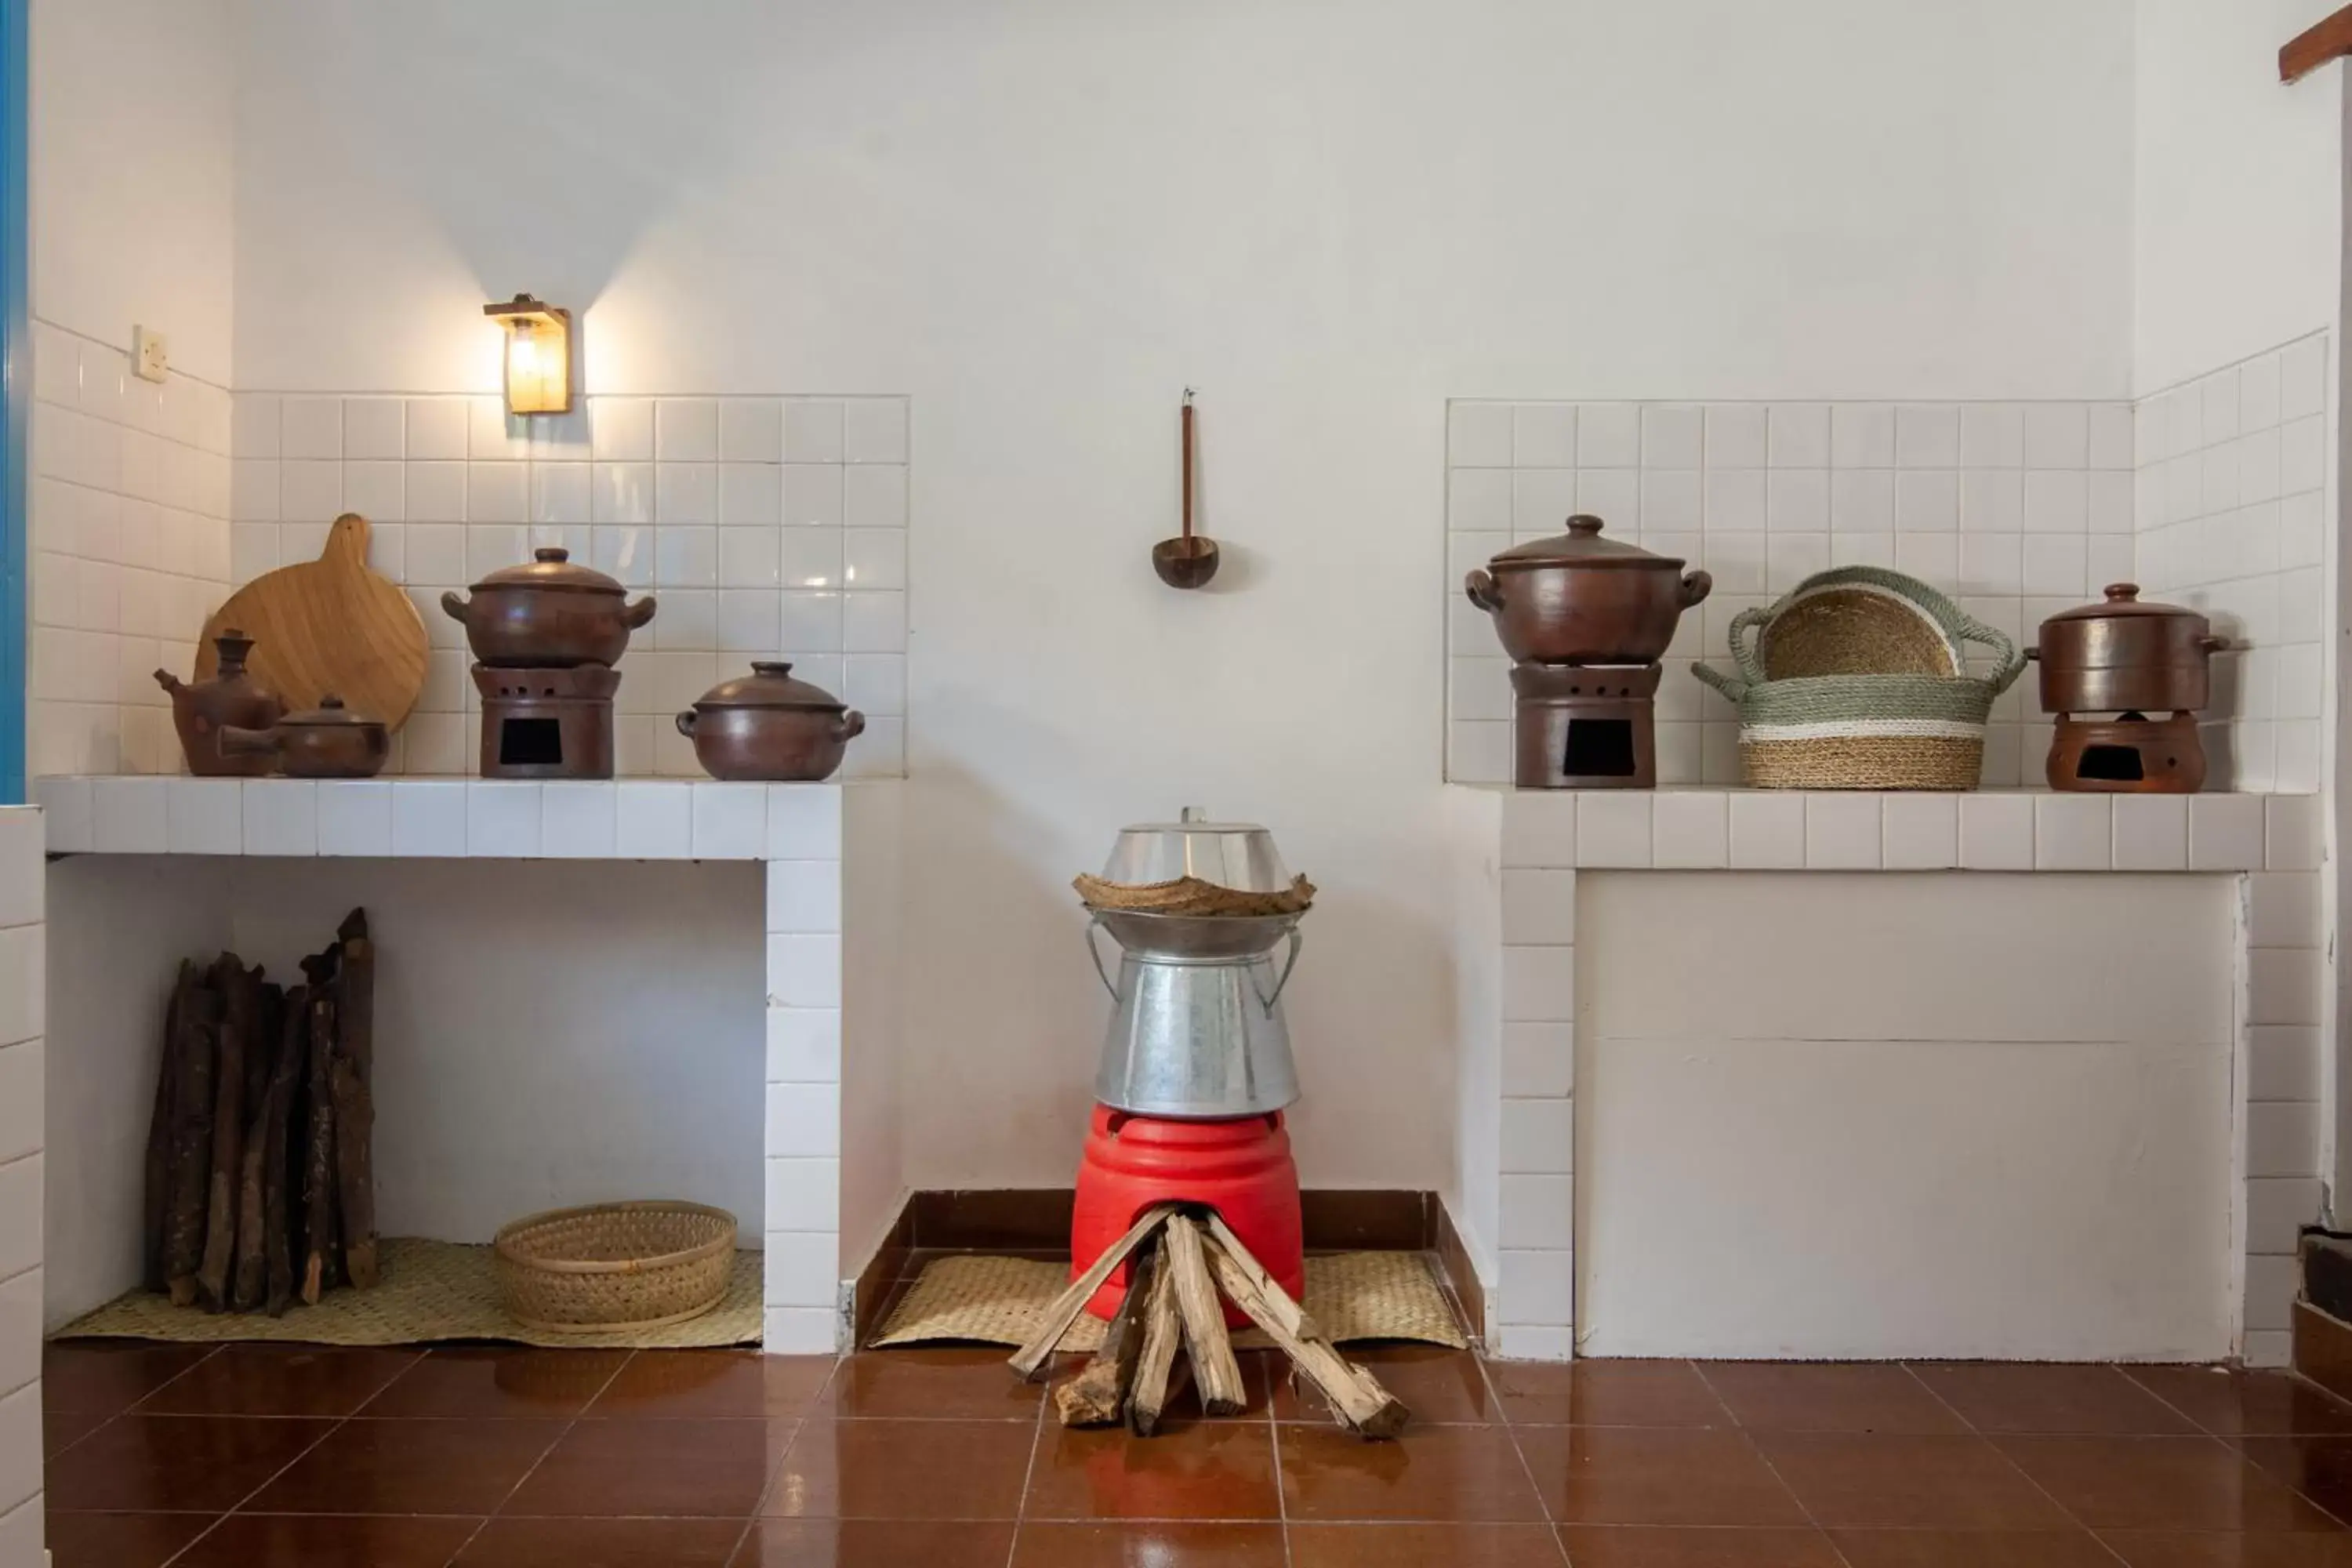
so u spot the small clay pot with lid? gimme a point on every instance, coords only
(768, 725)
(1578, 598)
(201, 709)
(329, 741)
(547, 613)
(2125, 655)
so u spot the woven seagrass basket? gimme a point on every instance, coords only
(615, 1265)
(1863, 730)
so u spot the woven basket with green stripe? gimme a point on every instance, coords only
(1863, 732)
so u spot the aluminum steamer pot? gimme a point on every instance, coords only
(549, 614)
(2124, 656)
(1578, 598)
(767, 725)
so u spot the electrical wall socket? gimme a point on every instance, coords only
(150, 357)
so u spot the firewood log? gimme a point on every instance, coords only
(319, 1231)
(1072, 1302)
(1162, 1332)
(352, 1083)
(1097, 1397)
(196, 1049)
(1210, 1350)
(278, 1155)
(240, 993)
(160, 1131)
(249, 1278)
(1355, 1393)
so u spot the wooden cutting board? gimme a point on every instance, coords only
(329, 624)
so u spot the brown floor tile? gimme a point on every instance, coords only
(713, 1382)
(964, 1384)
(2318, 1468)
(2071, 1547)
(1856, 1479)
(2160, 1483)
(2217, 1550)
(1161, 1544)
(106, 1377)
(61, 1429)
(902, 1469)
(873, 1544)
(1437, 1385)
(1646, 1546)
(1631, 1475)
(325, 1540)
(497, 1380)
(175, 1463)
(421, 1466)
(677, 1468)
(602, 1543)
(2018, 1396)
(1829, 1396)
(1424, 1546)
(1607, 1394)
(279, 1380)
(120, 1540)
(1439, 1473)
(1201, 1471)
(2229, 1402)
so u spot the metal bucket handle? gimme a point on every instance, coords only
(1095, 953)
(1269, 1001)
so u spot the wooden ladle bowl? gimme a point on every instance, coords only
(1185, 562)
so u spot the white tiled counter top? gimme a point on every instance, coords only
(1905, 830)
(627, 819)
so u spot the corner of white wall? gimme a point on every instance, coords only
(1474, 832)
(22, 1159)
(873, 1168)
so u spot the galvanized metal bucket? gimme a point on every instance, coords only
(1196, 1029)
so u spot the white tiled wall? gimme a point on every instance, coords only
(130, 550)
(766, 527)
(2015, 509)
(803, 1079)
(2232, 518)
(21, 1106)
(1549, 837)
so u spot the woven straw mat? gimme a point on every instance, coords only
(430, 1291)
(1003, 1300)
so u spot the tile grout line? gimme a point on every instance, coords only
(1526, 1471)
(1987, 1439)
(767, 1487)
(1274, 1438)
(1747, 1436)
(532, 1469)
(1029, 1471)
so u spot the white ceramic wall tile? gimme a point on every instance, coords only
(804, 1044)
(1613, 827)
(503, 819)
(1996, 503)
(1539, 908)
(1540, 827)
(2151, 832)
(1539, 985)
(1842, 832)
(800, 1331)
(1538, 1212)
(1997, 832)
(1920, 832)
(205, 817)
(2283, 1062)
(1767, 831)
(803, 1193)
(1538, 1287)
(1540, 1059)
(1689, 830)
(2074, 832)
(2226, 832)
(803, 1120)
(801, 1269)
(1538, 1137)
(354, 817)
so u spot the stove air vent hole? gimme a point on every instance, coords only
(1598, 748)
(526, 743)
(2114, 764)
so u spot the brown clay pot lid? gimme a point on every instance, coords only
(1581, 545)
(552, 567)
(2122, 601)
(330, 714)
(769, 685)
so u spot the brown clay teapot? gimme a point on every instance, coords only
(201, 709)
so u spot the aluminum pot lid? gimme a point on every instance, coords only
(769, 685)
(2122, 601)
(552, 567)
(330, 714)
(1581, 545)
(1236, 855)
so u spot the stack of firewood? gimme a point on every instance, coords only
(260, 1174)
(1171, 1301)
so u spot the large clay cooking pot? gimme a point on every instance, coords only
(2127, 655)
(549, 614)
(1578, 598)
(767, 725)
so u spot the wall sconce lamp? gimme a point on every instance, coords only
(539, 354)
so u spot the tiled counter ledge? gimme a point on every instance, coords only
(1530, 844)
(802, 832)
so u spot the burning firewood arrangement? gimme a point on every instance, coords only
(260, 1174)
(1171, 1302)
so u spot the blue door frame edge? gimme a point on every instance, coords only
(16, 399)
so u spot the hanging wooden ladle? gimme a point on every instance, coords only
(1191, 559)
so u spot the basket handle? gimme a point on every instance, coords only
(1744, 655)
(1730, 685)
(2010, 660)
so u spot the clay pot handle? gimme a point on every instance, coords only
(2212, 642)
(1480, 585)
(238, 742)
(638, 613)
(849, 726)
(1697, 585)
(685, 723)
(454, 607)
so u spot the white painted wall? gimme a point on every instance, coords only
(1807, 1125)
(22, 994)
(1040, 222)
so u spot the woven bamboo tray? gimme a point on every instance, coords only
(1860, 620)
(604, 1267)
